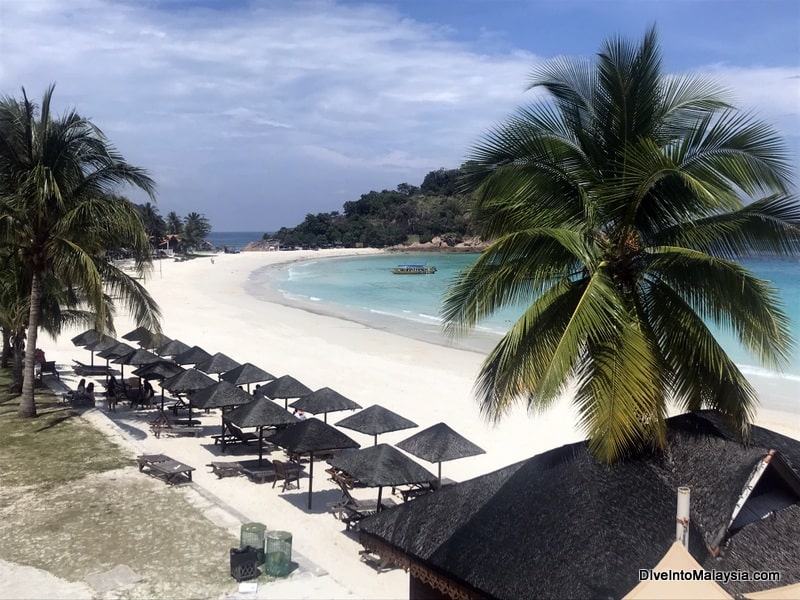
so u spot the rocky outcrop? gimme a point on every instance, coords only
(437, 244)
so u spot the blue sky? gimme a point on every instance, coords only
(256, 113)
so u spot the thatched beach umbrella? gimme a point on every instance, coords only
(138, 334)
(324, 400)
(308, 437)
(218, 363)
(284, 387)
(160, 370)
(115, 351)
(220, 395)
(260, 413)
(246, 374)
(103, 343)
(374, 420)
(172, 348)
(188, 381)
(382, 465)
(137, 357)
(87, 337)
(439, 443)
(192, 356)
(154, 341)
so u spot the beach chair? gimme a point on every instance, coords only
(90, 370)
(350, 510)
(287, 472)
(162, 424)
(48, 366)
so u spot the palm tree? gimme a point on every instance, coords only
(618, 208)
(195, 229)
(154, 224)
(174, 223)
(58, 213)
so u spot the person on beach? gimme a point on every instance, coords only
(111, 393)
(89, 394)
(255, 391)
(81, 391)
(146, 394)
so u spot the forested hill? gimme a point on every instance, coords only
(378, 219)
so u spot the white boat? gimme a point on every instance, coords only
(414, 270)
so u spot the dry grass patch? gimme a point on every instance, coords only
(71, 503)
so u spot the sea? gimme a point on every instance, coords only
(365, 290)
(234, 240)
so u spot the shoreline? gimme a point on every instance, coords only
(776, 390)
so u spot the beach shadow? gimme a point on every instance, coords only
(54, 422)
(319, 500)
(132, 431)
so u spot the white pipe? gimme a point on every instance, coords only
(682, 524)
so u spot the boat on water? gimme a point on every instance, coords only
(414, 270)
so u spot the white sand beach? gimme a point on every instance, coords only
(206, 304)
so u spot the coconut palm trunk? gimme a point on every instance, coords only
(27, 405)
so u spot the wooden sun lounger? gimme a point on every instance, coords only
(162, 424)
(350, 510)
(172, 471)
(164, 467)
(91, 370)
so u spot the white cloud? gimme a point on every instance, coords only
(290, 91)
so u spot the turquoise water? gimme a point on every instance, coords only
(365, 290)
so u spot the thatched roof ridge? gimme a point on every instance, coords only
(497, 533)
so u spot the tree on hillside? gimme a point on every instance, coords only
(619, 208)
(195, 229)
(56, 210)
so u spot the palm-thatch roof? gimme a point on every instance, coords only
(172, 348)
(154, 340)
(311, 435)
(138, 357)
(187, 381)
(439, 443)
(115, 350)
(87, 337)
(159, 370)
(104, 343)
(285, 386)
(218, 395)
(218, 363)
(561, 525)
(192, 356)
(323, 401)
(382, 465)
(261, 412)
(138, 334)
(375, 420)
(246, 373)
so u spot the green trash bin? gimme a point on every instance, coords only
(252, 534)
(278, 553)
